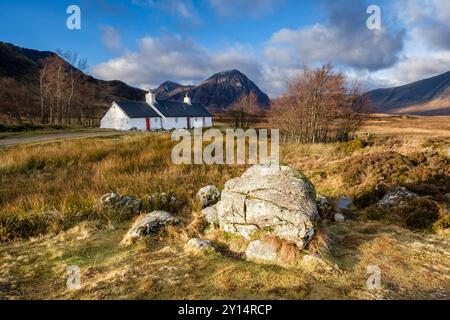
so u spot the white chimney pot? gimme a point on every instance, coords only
(150, 98)
(187, 100)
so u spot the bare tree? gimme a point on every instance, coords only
(351, 113)
(76, 66)
(316, 102)
(244, 110)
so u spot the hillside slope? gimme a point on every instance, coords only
(24, 65)
(425, 97)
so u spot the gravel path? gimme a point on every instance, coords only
(53, 136)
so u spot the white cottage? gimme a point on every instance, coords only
(156, 115)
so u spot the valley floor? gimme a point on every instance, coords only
(49, 220)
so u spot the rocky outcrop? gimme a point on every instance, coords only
(208, 196)
(149, 224)
(128, 204)
(273, 200)
(396, 197)
(261, 251)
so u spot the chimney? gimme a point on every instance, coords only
(150, 97)
(187, 100)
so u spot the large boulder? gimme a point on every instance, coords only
(149, 224)
(396, 197)
(128, 204)
(271, 199)
(208, 196)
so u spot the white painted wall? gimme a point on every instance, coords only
(208, 122)
(115, 118)
(198, 122)
(140, 124)
(174, 123)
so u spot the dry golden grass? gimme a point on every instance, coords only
(50, 220)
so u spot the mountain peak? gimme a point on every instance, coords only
(218, 92)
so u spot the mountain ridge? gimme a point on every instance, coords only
(429, 96)
(217, 93)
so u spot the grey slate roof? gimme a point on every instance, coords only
(180, 109)
(137, 109)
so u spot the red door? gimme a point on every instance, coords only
(147, 123)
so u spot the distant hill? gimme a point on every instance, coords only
(217, 93)
(425, 97)
(24, 66)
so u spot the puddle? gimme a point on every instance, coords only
(344, 203)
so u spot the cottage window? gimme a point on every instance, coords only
(176, 120)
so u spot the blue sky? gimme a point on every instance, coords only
(145, 42)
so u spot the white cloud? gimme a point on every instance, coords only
(342, 39)
(415, 68)
(428, 20)
(175, 58)
(110, 38)
(388, 57)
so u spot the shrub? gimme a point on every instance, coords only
(442, 224)
(419, 213)
(370, 196)
(374, 213)
(387, 166)
(348, 148)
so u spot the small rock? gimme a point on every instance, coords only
(261, 251)
(210, 215)
(325, 207)
(128, 204)
(339, 218)
(323, 203)
(208, 196)
(396, 197)
(200, 244)
(149, 224)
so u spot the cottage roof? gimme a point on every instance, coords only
(137, 109)
(180, 109)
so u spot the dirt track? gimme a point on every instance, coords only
(14, 140)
